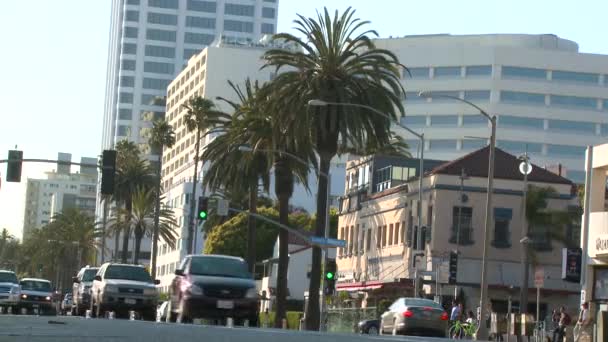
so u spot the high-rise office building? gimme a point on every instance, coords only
(151, 42)
(550, 99)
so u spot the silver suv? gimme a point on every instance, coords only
(10, 291)
(81, 290)
(122, 288)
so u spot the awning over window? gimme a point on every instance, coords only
(360, 286)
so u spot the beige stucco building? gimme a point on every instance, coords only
(378, 228)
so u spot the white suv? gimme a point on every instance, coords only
(9, 290)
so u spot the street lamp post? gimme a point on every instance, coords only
(482, 330)
(320, 174)
(525, 167)
(416, 240)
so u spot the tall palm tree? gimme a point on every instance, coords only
(162, 135)
(143, 217)
(201, 115)
(336, 61)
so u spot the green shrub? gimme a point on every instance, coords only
(293, 319)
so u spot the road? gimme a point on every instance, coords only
(71, 329)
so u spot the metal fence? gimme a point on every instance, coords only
(344, 320)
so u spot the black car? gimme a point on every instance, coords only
(213, 287)
(370, 327)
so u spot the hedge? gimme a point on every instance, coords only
(293, 319)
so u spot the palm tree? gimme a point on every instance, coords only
(143, 216)
(336, 62)
(236, 171)
(201, 115)
(132, 172)
(162, 135)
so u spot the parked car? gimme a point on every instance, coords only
(66, 304)
(161, 312)
(10, 290)
(81, 290)
(415, 316)
(369, 326)
(37, 294)
(122, 288)
(213, 287)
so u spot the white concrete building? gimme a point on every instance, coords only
(60, 190)
(150, 43)
(207, 75)
(547, 95)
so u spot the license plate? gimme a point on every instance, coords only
(130, 301)
(225, 304)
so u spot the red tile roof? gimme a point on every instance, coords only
(506, 166)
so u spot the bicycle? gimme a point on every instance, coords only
(462, 329)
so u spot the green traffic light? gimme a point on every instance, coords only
(202, 215)
(329, 275)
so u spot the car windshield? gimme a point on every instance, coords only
(220, 267)
(8, 277)
(89, 274)
(35, 285)
(127, 273)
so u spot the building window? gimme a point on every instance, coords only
(472, 144)
(125, 97)
(412, 96)
(202, 6)
(478, 70)
(575, 77)
(129, 48)
(158, 67)
(153, 100)
(390, 234)
(539, 236)
(521, 122)
(236, 9)
(267, 28)
(383, 235)
(517, 147)
(502, 232)
(447, 72)
(161, 35)
(440, 95)
(572, 126)
(173, 4)
(198, 38)
(132, 2)
(268, 12)
(523, 98)
(414, 120)
(444, 120)
(160, 51)
(124, 114)
(200, 22)
(368, 240)
(462, 226)
(238, 26)
(474, 120)
(519, 72)
(397, 234)
(420, 73)
(477, 95)
(127, 64)
(132, 16)
(442, 144)
(566, 151)
(574, 101)
(378, 237)
(127, 81)
(123, 131)
(188, 53)
(162, 18)
(130, 32)
(155, 83)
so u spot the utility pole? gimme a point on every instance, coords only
(190, 241)
(525, 168)
(462, 177)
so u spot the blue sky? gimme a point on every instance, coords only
(53, 61)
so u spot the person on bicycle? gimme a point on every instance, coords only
(456, 316)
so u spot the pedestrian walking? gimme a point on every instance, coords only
(564, 321)
(583, 323)
(456, 315)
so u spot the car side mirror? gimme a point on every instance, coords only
(98, 278)
(179, 272)
(156, 282)
(75, 280)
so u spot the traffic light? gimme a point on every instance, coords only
(203, 206)
(108, 171)
(453, 268)
(13, 167)
(330, 277)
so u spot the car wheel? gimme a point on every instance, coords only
(149, 315)
(372, 330)
(182, 314)
(253, 321)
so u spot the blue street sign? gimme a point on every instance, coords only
(327, 242)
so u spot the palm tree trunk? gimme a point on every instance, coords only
(138, 237)
(156, 215)
(281, 309)
(193, 197)
(312, 309)
(116, 245)
(251, 229)
(126, 232)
